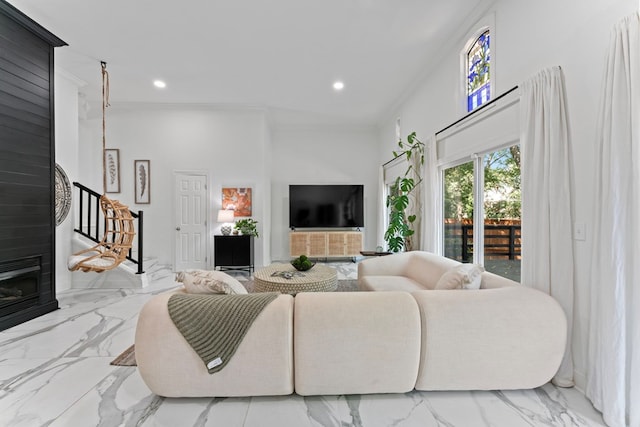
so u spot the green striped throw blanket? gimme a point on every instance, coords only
(214, 325)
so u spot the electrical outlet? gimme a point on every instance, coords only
(579, 231)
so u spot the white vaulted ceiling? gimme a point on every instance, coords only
(283, 55)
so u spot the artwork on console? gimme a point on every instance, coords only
(238, 200)
(112, 170)
(142, 175)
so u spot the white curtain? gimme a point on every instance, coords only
(431, 217)
(382, 208)
(416, 202)
(547, 217)
(613, 377)
(390, 171)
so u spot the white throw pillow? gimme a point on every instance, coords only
(465, 276)
(209, 282)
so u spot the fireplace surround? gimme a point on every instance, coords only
(27, 168)
(26, 290)
(19, 285)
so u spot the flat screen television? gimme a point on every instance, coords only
(326, 206)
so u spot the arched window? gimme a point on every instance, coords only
(479, 72)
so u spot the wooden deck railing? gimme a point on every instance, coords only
(501, 241)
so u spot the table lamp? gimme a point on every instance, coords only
(225, 216)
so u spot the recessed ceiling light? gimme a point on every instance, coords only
(159, 84)
(338, 85)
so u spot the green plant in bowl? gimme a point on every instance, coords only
(248, 227)
(302, 263)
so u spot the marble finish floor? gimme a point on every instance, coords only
(54, 371)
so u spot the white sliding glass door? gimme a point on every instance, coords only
(482, 211)
(458, 212)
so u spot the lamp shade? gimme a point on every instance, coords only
(225, 215)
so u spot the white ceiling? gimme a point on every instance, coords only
(283, 55)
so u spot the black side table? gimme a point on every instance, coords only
(233, 253)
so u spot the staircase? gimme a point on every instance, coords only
(122, 277)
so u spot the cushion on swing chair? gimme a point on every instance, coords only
(89, 259)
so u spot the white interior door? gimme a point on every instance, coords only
(191, 221)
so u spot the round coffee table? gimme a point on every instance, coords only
(286, 279)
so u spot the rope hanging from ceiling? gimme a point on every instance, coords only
(105, 104)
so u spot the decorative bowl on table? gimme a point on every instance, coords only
(302, 263)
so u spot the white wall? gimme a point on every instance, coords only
(66, 133)
(322, 155)
(237, 149)
(266, 232)
(528, 37)
(229, 145)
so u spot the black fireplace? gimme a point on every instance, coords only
(19, 285)
(25, 290)
(27, 168)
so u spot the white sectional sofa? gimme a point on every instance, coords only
(501, 336)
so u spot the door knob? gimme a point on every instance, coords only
(177, 228)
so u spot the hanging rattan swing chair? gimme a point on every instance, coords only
(119, 228)
(115, 244)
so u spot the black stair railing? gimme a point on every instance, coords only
(92, 227)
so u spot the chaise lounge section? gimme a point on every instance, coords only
(502, 335)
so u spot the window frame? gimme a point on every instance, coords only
(478, 196)
(486, 23)
(441, 169)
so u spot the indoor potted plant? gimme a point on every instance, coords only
(400, 231)
(247, 226)
(302, 263)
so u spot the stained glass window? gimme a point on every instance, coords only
(478, 67)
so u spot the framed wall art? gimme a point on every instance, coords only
(112, 170)
(63, 194)
(237, 199)
(142, 173)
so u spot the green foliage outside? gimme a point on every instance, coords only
(501, 187)
(458, 192)
(502, 184)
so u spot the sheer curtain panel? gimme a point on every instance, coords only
(613, 377)
(382, 208)
(431, 218)
(547, 215)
